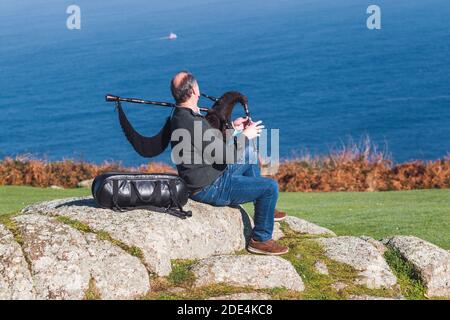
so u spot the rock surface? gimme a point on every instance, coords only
(366, 297)
(248, 270)
(85, 183)
(243, 296)
(306, 227)
(431, 263)
(277, 232)
(377, 244)
(176, 290)
(161, 237)
(373, 270)
(15, 278)
(321, 267)
(64, 260)
(338, 286)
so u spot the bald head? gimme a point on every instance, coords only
(184, 87)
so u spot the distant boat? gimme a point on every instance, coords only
(172, 36)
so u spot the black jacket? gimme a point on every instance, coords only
(204, 170)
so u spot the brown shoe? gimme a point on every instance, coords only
(269, 247)
(280, 215)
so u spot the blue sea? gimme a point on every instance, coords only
(309, 67)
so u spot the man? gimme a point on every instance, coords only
(219, 183)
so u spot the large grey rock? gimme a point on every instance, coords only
(244, 296)
(161, 237)
(306, 227)
(374, 272)
(15, 278)
(64, 260)
(248, 270)
(431, 263)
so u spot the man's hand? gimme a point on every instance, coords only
(239, 123)
(253, 130)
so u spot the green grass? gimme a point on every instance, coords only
(422, 213)
(407, 278)
(14, 198)
(92, 293)
(181, 274)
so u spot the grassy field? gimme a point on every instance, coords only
(13, 198)
(423, 213)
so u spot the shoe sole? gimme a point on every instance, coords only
(266, 253)
(280, 219)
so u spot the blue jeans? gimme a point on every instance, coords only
(241, 183)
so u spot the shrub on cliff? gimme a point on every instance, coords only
(354, 167)
(66, 173)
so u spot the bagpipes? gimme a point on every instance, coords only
(219, 116)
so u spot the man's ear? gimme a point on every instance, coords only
(195, 92)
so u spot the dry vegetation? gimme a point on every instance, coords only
(354, 167)
(67, 173)
(361, 167)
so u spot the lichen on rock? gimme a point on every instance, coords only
(64, 260)
(360, 254)
(15, 278)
